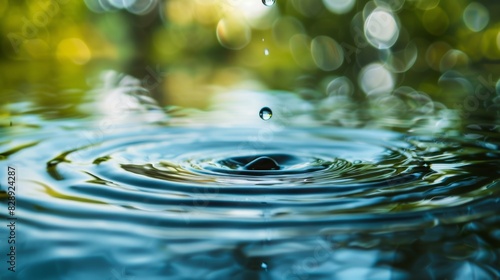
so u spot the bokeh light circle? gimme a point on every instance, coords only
(381, 29)
(233, 33)
(476, 16)
(339, 6)
(393, 5)
(376, 79)
(340, 87)
(327, 54)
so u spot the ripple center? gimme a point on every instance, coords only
(262, 163)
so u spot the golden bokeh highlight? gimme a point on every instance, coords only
(218, 44)
(37, 48)
(180, 12)
(436, 21)
(74, 50)
(207, 12)
(233, 33)
(489, 43)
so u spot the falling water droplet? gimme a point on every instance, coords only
(266, 113)
(264, 266)
(266, 52)
(268, 2)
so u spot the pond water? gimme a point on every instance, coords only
(150, 194)
(229, 139)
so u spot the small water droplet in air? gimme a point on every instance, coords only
(266, 52)
(268, 2)
(265, 113)
(264, 266)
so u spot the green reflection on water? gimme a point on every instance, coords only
(174, 49)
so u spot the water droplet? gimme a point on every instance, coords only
(266, 52)
(268, 2)
(265, 113)
(264, 266)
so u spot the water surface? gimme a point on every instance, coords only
(171, 199)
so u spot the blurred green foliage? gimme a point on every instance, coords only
(185, 50)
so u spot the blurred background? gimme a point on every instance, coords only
(122, 193)
(394, 55)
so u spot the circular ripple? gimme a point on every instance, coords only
(328, 159)
(321, 177)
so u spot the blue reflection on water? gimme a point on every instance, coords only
(156, 200)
